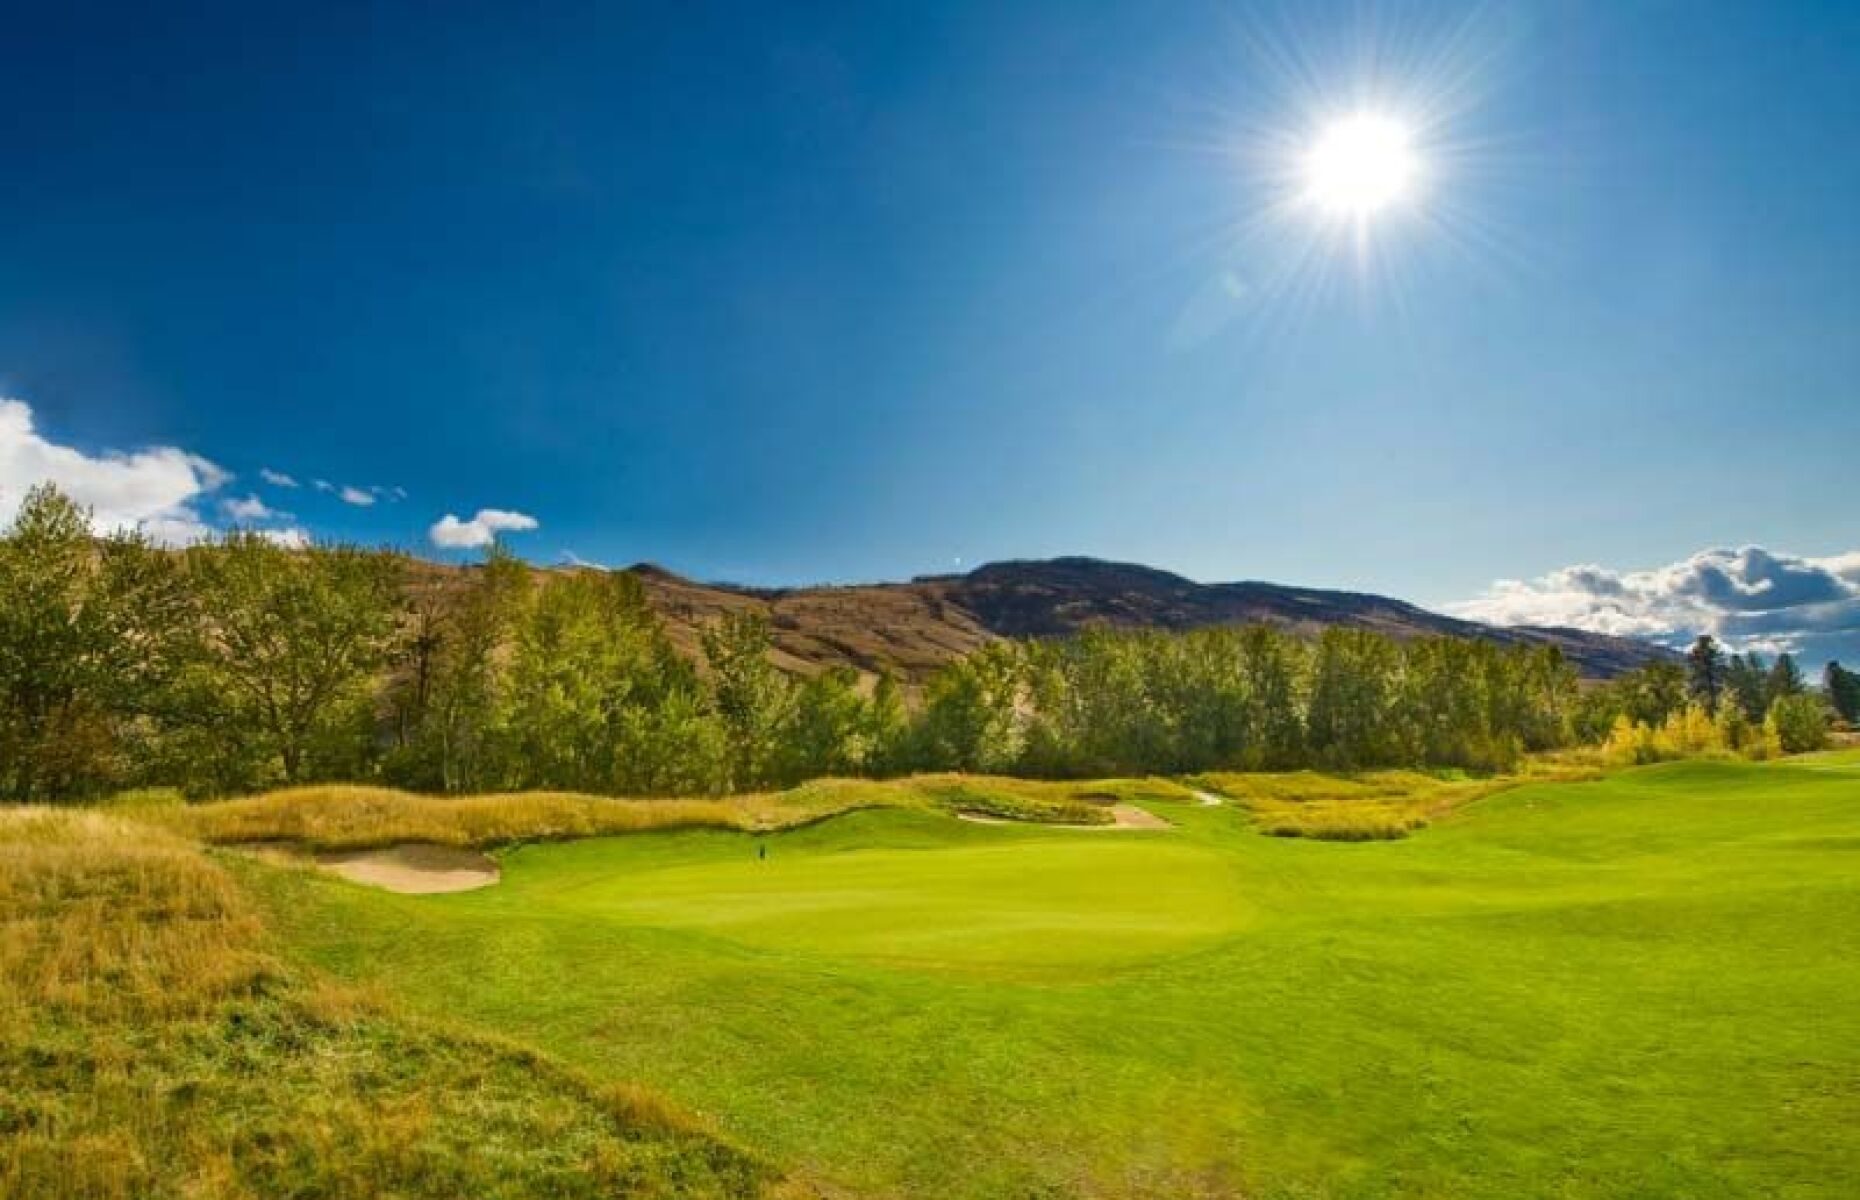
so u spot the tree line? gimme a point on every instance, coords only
(241, 664)
(1724, 702)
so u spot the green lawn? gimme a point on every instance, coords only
(1645, 986)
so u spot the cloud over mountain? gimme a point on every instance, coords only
(1750, 597)
(450, 533)
(154, 490)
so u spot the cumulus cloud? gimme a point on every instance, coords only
(360, 497)
(1750, 598)
(276, 478)
(450, 533)
(248, 509)
(155, 490)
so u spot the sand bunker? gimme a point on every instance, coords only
(1123, 816)
(1129, 816)
(415, 868)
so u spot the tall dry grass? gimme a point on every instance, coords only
(152, 1047)
(103, 919)
(335, 817)
(341, 817)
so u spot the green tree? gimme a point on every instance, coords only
(754, 700)
(446, 688)
(831, 731)
(1843, 689)
(1784, 679)
(1705, 672)
(597, 700)
(1273, 671)
(1799, 722)
(1746, 681)
(92, 632)
(969, 720)
(890, 727)
(293, 644)
(1347, 722)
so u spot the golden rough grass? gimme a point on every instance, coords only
(1370, 805)
(337, 817)
(152, 1047)
(100, 916)
(343, 817)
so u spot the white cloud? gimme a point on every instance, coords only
(276, 478)
(450, 533)
(154, 490)
(359, 497)
(250, 508)
(1750, 598)
(322, 485)
(291, 539)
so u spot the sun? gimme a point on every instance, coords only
(1360, 165)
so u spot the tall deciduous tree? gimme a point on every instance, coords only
(597, 697)
(453, 672)
(754, 700)
(91, 633)
(293, 644)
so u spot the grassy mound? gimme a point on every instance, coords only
(150, 1046)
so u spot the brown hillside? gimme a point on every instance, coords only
(912, 628)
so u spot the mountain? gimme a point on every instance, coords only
(912, 628)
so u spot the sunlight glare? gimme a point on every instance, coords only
(1360, 165)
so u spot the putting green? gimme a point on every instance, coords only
(1002, 901)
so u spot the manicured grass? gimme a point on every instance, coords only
(1641, 986)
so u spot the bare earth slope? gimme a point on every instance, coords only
(912, 628)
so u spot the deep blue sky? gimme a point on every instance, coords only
(795, 293)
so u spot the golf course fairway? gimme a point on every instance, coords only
(1645, 986)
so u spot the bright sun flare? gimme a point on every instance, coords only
(1360, 165)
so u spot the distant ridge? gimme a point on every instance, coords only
(911, 628)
